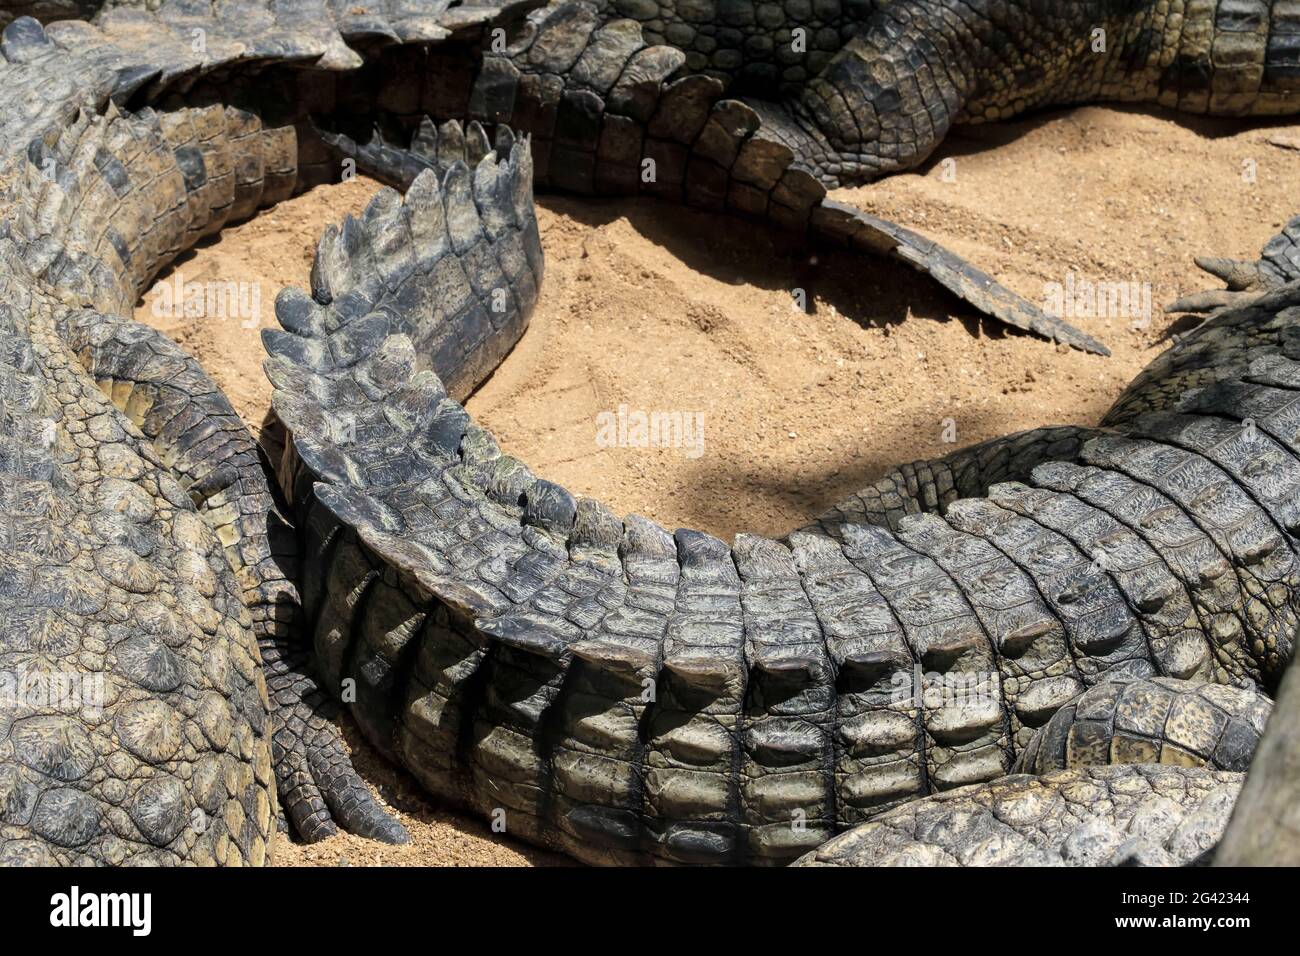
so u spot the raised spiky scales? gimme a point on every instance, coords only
(1097, 604)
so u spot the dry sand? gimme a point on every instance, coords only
(664, 309)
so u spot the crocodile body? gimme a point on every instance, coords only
(599, 684)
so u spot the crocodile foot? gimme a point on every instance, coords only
(1245, 279)
(318, 788)
(192, 425)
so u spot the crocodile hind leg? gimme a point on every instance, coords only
(1127, 814)
(1141, 772)
(1131, 772)
(209, 450)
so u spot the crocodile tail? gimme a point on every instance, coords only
(604, 686)
(609, 114)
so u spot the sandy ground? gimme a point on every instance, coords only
(662, 309)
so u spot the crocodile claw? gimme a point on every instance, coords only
(1239, 274)
(1203, 303)
(1244, 279)
(318, 787)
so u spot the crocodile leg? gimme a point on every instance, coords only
(1161, 721)
(209, 450)
(1229, 348)
(1139, 772)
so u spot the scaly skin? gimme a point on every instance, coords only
(1134, 815)
(891, 93)
(609, 115)
(510, 629)
(1264, 830)
(140, 527)
(47, 10)
(114, 583)
(613, 690)
(1146, 722)
(874, 87)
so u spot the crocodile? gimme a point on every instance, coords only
(1089, 620)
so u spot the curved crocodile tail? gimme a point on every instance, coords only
(484, 201)
(623, 693)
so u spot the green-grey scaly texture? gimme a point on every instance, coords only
(1094, 606)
